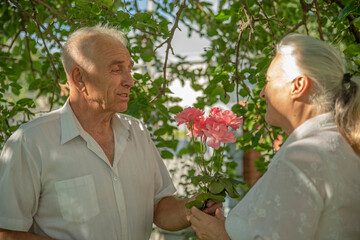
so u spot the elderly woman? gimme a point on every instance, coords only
(312, 187)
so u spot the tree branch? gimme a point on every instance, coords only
(249, 17)
(27, 44)
(142, 30)
(136, 6)
(37, 22)
(168, 41)
(57, 76)
(237, 75)
(13, 41)
(199, 5)
(185, 23)
(54, 11)
(350, 17)
(319, 19)
(268, 22)
(244, 25)
(305, 8)
(147, 32)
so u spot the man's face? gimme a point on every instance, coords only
(277, 94)
(108, 79)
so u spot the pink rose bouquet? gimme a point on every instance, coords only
(214, 131)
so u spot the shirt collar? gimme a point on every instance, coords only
(321, 121)
(68, 120)
(121, 127)
(71, 127)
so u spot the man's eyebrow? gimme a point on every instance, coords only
(115, 62)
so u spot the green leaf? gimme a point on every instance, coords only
(225, 98)
(353, 50)
(230, 87)
(175, 109)
(183, 151)
(137, 76)
(222, 16)
(108, 3)
(195, 203)
(160, 132)
(355, 20)
(142, 17)
(25, 102)
(166, 154)
(217, 91)
(347, 10)
(264, 64)
(197, 87)
(203, 179)
(216, 187)
(209, 196)
(229, 188)
(122, 16)
(243, 92)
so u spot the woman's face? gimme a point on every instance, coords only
(277, 94)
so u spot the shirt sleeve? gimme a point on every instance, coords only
(163, 183)
(19, 184)
(284, 204)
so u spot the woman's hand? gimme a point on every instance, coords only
(208, 227)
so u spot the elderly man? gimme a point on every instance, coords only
(84, 171)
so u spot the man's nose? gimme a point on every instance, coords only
(128, 81)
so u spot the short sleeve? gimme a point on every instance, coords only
(284, 204)
(163, 183)
(19, 184)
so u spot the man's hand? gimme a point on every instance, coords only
(171, 214)
(16, 235)
(208, 227)
(211, 207)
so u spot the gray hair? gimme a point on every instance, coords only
(70, 50)
(325, 67)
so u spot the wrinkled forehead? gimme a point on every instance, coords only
(104, 42)
(89, 49)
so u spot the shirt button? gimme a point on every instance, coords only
(116, 179)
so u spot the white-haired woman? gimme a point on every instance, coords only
(312, 187)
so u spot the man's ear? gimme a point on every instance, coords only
(77, 77)
(300, 87)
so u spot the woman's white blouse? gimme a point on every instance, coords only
(310, 191)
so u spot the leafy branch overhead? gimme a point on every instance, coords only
(242, 35)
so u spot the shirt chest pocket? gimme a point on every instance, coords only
(77, 198)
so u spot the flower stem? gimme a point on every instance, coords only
(193, 138)
(202, 155)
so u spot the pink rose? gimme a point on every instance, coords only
(219, 133)
(214, 111)
(198, 125)
(188, 114)
(228, 118)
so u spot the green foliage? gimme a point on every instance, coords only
(242, 35)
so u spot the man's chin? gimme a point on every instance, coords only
(122, 108)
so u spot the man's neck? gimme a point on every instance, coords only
(97, 123)
(92, 119)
